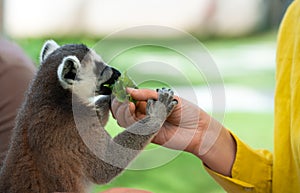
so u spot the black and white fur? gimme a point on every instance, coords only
(59, 143)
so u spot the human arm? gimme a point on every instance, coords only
(188, 128)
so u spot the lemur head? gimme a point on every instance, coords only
(80, 71)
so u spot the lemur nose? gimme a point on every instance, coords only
(116, 74)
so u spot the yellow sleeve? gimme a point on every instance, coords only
(251, 172)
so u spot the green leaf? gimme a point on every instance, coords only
(119, 88)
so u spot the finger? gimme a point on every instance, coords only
(115, 104)
(142, 94)
(132, 108)
(129, 115)
(141, 107)
(120, 115)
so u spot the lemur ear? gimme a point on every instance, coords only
(67, 71)
(48, 47)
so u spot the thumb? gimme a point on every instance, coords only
(142, 94)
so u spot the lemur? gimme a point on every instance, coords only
(59, 143)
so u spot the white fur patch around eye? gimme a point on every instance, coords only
(67, 83)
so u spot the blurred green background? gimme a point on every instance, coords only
(245, 63)
(239, 36)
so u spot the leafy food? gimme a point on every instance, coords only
(119, 88)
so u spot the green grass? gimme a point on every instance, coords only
(256, 129)
(180, 63)
(221, 43)
(32, 46)
(178, 69)
(185, 173)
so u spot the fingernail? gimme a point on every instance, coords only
(130, 90)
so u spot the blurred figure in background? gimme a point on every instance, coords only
(16, 72)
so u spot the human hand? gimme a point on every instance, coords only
(188, 128)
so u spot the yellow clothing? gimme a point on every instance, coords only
(259, 171)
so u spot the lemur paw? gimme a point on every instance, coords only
(163, 106)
